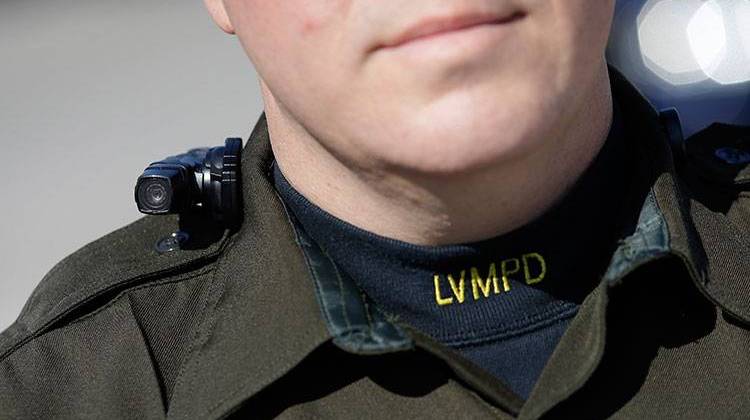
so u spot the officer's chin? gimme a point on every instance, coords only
(454, 150)
(467, 157)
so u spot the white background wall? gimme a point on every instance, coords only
(91, 91)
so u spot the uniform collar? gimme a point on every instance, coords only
(675, 221)
(262, 316)
(275, 297)
(671, 224)
(654, 236)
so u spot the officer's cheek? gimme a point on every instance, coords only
(315, 15)
(306, 16)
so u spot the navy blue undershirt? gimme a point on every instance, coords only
(503, 303)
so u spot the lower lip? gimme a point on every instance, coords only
(464, 41)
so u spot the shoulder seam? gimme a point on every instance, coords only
(27, 335)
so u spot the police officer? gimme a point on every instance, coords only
(449, 210)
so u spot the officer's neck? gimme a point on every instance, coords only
(445, 210)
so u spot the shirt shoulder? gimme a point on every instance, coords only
(721, 154)
(145, 251)
(717, 161)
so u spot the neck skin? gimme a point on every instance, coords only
(434, 210)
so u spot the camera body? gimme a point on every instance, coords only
(203, 181)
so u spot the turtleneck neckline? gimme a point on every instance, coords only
(474, 295)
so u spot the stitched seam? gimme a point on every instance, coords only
(509, 334)
(514, 327)
(196, 344)
(318, 292)
(162, 398)
(199, 261)
(114, 300)
(136, 288)
(316, 283)
(287, 366)
(341, 290)
(478, 398)
(600, 343)
(84, 253)
(660, 214)
(368, 314)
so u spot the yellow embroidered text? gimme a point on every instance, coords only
(450, 290)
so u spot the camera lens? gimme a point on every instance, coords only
(154, 195)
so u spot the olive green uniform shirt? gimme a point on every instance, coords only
(258, 323)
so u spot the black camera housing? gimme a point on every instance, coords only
(202, 181)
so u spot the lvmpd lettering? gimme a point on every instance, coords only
(451, 290)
